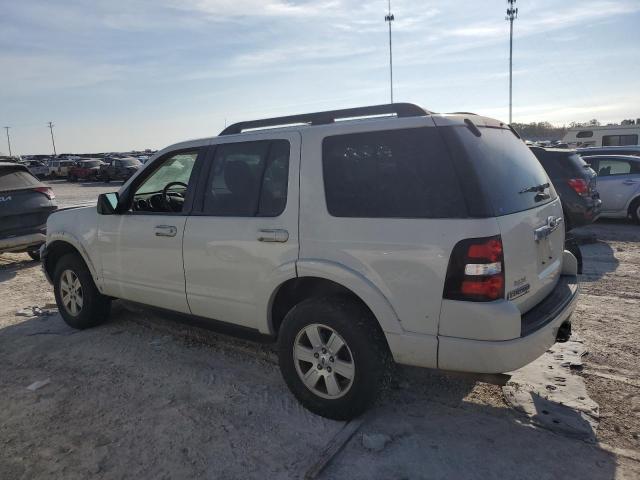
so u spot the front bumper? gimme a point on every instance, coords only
(539, 330)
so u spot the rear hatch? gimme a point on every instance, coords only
(502, 178)
(25, 203)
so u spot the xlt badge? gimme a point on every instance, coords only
(518, 292)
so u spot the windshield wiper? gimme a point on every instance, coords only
(536, 188)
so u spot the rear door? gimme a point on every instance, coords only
(25, 203)
(524, 202)
(242, 239)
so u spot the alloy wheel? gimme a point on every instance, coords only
(71, 292)
(323, 361)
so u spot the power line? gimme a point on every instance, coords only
(390, 18)
(51, 125)
(8, 140)
(512, 14)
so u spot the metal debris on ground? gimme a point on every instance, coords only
(35, 311)
(39, 384)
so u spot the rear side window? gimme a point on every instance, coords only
(613, 167)
(391, 174)
(248, 179)
(14, 179)
(502, 165)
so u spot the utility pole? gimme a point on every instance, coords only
(512, 14)
(51, 125)
(390, 18)
(8, 140)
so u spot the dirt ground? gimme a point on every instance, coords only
(151, 396)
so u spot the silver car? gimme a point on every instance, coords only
(618, 184)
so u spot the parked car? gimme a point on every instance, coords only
(25, 204)
(119, 169)
(59, 168)
(618, 184)
(85, 169)
(37, 169)
(627, 150)
(574, 181)
(352, 242)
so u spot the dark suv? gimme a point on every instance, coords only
(25, 205)
(574, 181)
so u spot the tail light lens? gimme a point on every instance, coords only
(46, 191)
(579, 185)
(476, 270)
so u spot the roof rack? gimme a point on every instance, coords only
(323, 118)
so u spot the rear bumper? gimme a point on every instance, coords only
(21, 243)
(539, 331)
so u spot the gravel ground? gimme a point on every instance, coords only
(147, 396)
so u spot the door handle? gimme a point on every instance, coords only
(273, 235)
(166, 231)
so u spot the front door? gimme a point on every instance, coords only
(243, 235)
(141, 248)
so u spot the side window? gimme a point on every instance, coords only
(248, 179)
(616, 140)
(391, 174)
(165, 189)
(613, 167)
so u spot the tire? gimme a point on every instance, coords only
(73, 178)
(634, 210)
(106, 179)
(94, 308)
(364, 355)
(35, 254)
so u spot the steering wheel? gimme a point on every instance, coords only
(165, 194)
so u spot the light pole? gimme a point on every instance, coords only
(8, 140)
(390, 18)
(51, 125)
(512, 14)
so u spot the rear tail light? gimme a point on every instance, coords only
(46, 191)
(476, 270)
(579, 185)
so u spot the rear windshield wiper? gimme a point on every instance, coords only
(536, 188)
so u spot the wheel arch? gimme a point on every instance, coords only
(319, 278)
(63, 244)
(635, 199)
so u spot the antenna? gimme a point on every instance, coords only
(51, 125)
(512, 14)
(8, 140)
(390, 18)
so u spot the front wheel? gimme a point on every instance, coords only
(332, 356)
(79, 301)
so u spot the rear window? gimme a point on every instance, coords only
(403, 173)
(14, 179)
(562, 164)
(501, 165)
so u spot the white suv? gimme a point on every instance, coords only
(354, 237)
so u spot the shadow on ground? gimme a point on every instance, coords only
(143, 397)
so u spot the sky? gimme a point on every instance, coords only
(115, 75)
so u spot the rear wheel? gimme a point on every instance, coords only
(34, 253)
(79, 301)
(332, 356)
(73, 178)
(635, 210)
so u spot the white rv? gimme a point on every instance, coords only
(607, 136)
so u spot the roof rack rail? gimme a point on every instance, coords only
(323, 118)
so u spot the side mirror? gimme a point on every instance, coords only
(108, 203)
